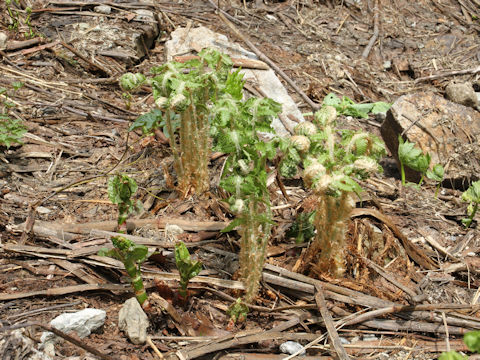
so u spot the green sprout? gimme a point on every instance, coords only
(348, 107)
(130, 83)
(14, 16)
(471, 339)
(11, 130)
(471, 195)
(238, 311)
(236, 126)
(30, 33)
(303, 229)
(15, 20)
(187, 267)
(132, 256)
(120, 190)
(203, 99)
(436, 174)
(413, 158)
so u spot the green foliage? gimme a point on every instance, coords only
(11, 131)
(333, 161)
(238, 311)
(185, 95)
(471, 195)
(15, 19)
(187, 267)
(132, 256)
(303, 229)
(452, 355)
(13, 14)
(342, 159)
(120, 190)
(131, 82)
(471, 339)
(436, 174)
(203, 99)
(413, 158)
(235, 129)
(346, 106)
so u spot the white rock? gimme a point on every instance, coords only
(133, 321)
(173, 230)
(81, 322)
(292, 347)
(143, 14)
(43, 210)
(3, 40)
(462, 93)
(103, 9)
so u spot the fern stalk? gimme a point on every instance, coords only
(327, 252)
(253, 243)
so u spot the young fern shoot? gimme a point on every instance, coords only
(120, 190)
(235, 127)
(185, 93)
(471, 195)
(413, 158)
(332, 159)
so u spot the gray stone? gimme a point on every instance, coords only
(144, 15)
(103, 9)
(462, 93)
(448, 131)
(133, 321)
(81, 322)
(292, 347)
(3, 40)
(103, 38)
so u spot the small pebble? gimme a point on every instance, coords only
(3, 40)
(291, 347)
(103, 9)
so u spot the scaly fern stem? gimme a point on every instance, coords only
(254, 238)
(177, 163)
(327, 251)
(194, 153)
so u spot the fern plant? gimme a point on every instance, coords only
(236, 128)
(120, 190)
(203, 99)
(185, 93)
(331, 159)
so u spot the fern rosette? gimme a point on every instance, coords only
(332, 160)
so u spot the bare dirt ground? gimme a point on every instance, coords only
(409, 255)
